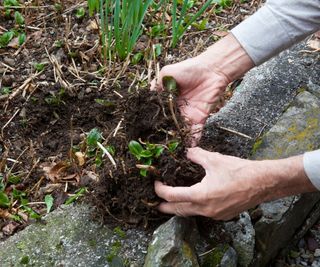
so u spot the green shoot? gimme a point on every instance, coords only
(5, 90)
(49, 202)
(172, 145)
(179, 24)
(19, 19)
(5, 38)
(55, 98)
(39, 66)
(80, 13)
(78, 194)
(21, 38)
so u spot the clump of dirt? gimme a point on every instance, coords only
(123, 192)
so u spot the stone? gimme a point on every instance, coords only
(297, 130)
(317, 253)
(313, 88)
(10, 61)
(243, 238)
(173, 244)
(69, 237)
(230, 258)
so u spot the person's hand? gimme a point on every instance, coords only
(200, 89)
(232, 185)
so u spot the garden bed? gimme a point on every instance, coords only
(59, 101)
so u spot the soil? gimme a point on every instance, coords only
(48, 115)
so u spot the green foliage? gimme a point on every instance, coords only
(172, 145)
(145, 154)
(179, 22)
(121, 24)
(39, 66)
(79, 193)
(21, 38)
(55, 98)
(93, 138)
(5, 38)
(136, 58)
(5, 90)
(49, 202)
(11, 3)
(80, 13)
(19, 19)
(4, 200)
(170, 84)
(25, 260)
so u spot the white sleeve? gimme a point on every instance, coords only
(311, 162)
(276, 26)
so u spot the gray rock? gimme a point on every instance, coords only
(69, 237)
(298, 130)
(230, 258)
(243, 238)
(173, 244)
(314, 88)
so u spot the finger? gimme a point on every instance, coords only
(196, 132)
(199, 156)
(176, 194)
(180, 208)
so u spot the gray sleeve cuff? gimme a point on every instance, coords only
(311, 163)
(276, 26)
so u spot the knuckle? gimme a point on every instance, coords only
(179, 210)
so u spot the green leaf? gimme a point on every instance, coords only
(157, 30)
(11, 3)
(6, 38)
(39, 66)
(104, 102)
(119, 232)
(17, 194)
(18, 18)
(157, 49)
(25, 260)
(137, 58)
(72, 199)
(14, 179)
(135, 149)
(93, 137)
(80, 13)
(146, 154)
(4, 200)
(49, 202)
(144, 172)
(111, 150)
(169, 83)
(158, 151)
(22, 38)
(173, 145)
(93, 6)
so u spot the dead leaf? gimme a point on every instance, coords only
(92, 26)
(55, 172)
(80, 156)
(4, 214)
(14, 43)
(10, 228)
(220, 33)
(49, 188)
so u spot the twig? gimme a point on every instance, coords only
(173, 114)
(234, 132)
(7, 66)
(117, 128)
(206, 253)
(8, 122)
(107, 153)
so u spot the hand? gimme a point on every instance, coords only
(200, 89)
(232, 185)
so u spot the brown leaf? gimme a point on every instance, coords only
(80, 157)
(55, 172)
(14, 43)
(220, 33)
(49, 188)
(10, 228)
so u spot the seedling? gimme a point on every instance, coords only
(5, 90)
(5, 38)
(19, 19)
(55, 98)
(80, 13)
(145, 155)
(170, 84)
(49, 202)
(39, 66)
(78, 194)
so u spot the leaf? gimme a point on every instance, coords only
(22, 38)
(49, 202)
(14, 179)
(6, 38)
(144, 172)
(158, 151)
(80, 13)
(137, 58)
(54, 173)
(18, 18)
(104, 102)
(38, 66)
(11, 3)
(4, 200)
(173, 146)
(135, 149)
(93, 137)
(146, 154)
(93, 6)
(169, 83)
(76, 196)
(157, 49)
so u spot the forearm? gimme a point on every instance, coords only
(284, 177)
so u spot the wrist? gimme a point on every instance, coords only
(227, 58)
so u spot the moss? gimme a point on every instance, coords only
(312, 125)
(187, 251)
(214, 258)
(301, 90)
(256, 145)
